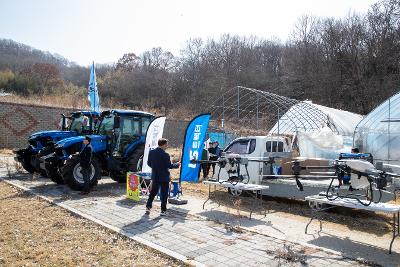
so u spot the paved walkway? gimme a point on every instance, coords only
(188, 237)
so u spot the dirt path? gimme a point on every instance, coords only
(34, 232)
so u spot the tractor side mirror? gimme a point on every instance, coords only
(63, 122)
(117, 122)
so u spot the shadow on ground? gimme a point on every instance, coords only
(350, 248)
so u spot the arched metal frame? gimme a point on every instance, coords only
(242, 107)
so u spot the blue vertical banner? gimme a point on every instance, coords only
(93, 93)
(195, 136)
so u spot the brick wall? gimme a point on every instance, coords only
(18, 121)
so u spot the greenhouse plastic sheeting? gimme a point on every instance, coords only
(299, 116)
(324, 144)
(379, 132)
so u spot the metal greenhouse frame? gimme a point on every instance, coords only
(248, 110)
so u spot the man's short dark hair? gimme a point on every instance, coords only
(88, 138)
(162, 141)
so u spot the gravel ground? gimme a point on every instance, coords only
(36, 233)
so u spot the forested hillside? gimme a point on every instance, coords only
(350, 63)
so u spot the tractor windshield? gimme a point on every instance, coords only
(80, 124)
(106, 126)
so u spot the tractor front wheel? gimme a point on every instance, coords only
(24, 156)
(53, 174)
(26, 164)
(72, 175)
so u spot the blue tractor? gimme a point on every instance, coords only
(42, 143)
(118, 147)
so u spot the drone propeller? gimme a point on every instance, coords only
(386, 159)
(302, 159)
(360, 165)
(304, 176)
(393, 174)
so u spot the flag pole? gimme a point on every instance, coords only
(94, 96)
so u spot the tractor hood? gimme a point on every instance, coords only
(73, 145)
(55, 135)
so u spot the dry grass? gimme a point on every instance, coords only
(78, 100)
(36, 233)
(61, 101)
(6, 152)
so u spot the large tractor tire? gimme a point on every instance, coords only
(24, 157)
(26, 164)
(136, 159)
(133, 165)
(53, 174)
(71, 173)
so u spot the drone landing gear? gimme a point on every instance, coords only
(366, 199)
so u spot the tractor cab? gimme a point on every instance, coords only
(81, 122)
(125, 129)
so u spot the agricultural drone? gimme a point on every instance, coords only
(342, 169)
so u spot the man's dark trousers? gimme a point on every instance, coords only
(86, 178)
(85, 158)
(164, 194)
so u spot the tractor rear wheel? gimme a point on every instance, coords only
(135, 161)
(133, 165)
(71, 173)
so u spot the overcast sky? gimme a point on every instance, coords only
(100, 30)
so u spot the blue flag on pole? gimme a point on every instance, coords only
(195, 136)
(93, 93)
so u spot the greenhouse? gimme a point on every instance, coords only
(320, 131)
(265, 112)
(379, 132)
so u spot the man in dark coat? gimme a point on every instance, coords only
(85, 157)
(160, 163)
(215, 153)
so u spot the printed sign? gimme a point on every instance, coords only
(133, 186)
(194, 142)
(154, 132)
